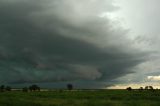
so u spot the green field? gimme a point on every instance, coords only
(81, 98)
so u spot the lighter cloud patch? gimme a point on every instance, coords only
(135, 85)
(154, 78)
(86, 72)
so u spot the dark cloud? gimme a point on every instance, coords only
(60, 41)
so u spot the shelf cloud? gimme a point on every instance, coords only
(54, 41)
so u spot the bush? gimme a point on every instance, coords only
(34, 88)
(2, 88)
(25, 89)
(8, 88)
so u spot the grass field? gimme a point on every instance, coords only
(81, 98)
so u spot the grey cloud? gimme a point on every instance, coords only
(58, 40)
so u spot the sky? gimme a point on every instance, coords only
(88, 43)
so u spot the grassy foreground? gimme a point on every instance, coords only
(81, 98)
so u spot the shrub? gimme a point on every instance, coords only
(2, 88)
(8, 88)
(34, 88)
(25, 89)
(69, 86)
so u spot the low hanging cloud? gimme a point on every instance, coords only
(58, 40)
(153, 78)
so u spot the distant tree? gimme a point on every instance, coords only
(34, 88)
(69, 86)
(129, 88)
(8, 88)
(25, 89)
(149, 88)
(2, 88)
(146, 87)
(30, 88)
(38, 88)
(141, 88)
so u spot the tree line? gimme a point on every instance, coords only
(5, 88)
(141, 88)
(31, 88)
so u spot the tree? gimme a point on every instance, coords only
(129, 88)
(69, 86)
(146, 87)
(141, 88)
(2, 88)
(34, 88)
(8, 88)
(149, 88)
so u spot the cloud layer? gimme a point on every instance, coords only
(58, 40)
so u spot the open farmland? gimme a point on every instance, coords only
(81, 98)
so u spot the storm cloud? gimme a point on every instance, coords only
(44, 41)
